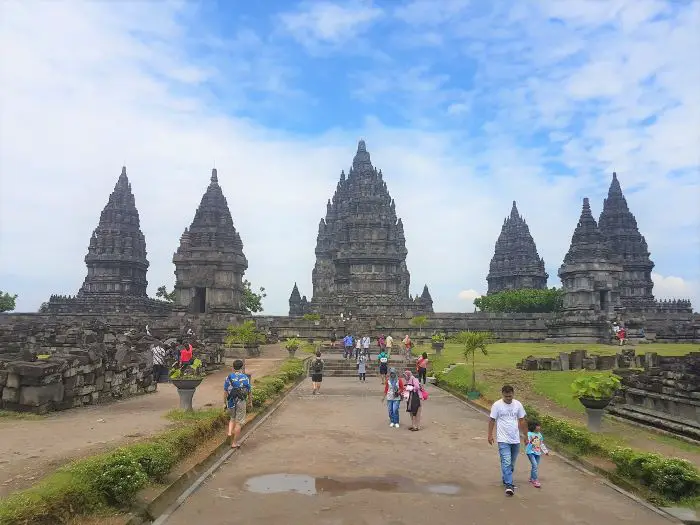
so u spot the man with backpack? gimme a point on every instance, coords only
(237, 396)
(316, 370)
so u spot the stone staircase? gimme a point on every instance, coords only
(339, 367)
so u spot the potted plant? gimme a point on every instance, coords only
(186, 379)
(594, 392)
(438, 342)
(247, 335)
(471, 342)
(292, 345)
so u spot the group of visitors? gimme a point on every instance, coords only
(362, 345)
(406, 388)
(181, 355)
(619, 332)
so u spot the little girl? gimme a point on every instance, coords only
(362, 367)
(534, 450)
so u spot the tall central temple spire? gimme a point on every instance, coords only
(361, 250)
(515, 264)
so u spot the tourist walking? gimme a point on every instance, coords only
(186, 355)
(362, 367)
(413, 399)
(393, 391)
(347, 346)
(383, 359)
(407, 345)
(365, 346)
(237, 396)
(508, 418)
(358, 346)
(316, 368)
(381, 343)
(534, 449)
(160, 355)
(422, 367)
(389, 342)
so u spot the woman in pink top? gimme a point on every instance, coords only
(413, 401)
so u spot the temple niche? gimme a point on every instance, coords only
(515, 264)
(361, 251)
(209, 263)
(628, 248)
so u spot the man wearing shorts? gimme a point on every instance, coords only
(237, 396)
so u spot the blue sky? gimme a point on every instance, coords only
(465, 106)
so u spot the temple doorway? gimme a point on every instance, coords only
(199, 301)
(603, 301)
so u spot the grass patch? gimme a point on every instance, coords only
(108, 482)
(25, 416)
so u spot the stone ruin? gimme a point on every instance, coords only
(665, 395)
(61, 367)
(580, 360)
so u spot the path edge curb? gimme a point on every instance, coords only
(582, 466)
(176, 493)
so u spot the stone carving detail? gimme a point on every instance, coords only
(209, 263)
(628, 248)
(361, 250)
(516, 264)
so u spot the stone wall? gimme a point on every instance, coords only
(580, 360)
(665, 395)
(85, 366)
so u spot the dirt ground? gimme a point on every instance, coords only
(332, 459)
(31, 449)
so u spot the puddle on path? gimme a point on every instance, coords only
(309, 485)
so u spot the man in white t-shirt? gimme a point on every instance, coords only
(508, 418)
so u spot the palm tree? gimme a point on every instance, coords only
(473, 341)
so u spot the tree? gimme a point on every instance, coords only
(312, 317)
(163, 293)
(419, 321)
(252, 302)
(7, 301)
(473, 341)
(522, 301)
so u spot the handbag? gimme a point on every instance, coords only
(423, 393)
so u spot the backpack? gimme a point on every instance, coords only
(318, 366)
(236, 393)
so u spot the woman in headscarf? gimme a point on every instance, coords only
(393, 390)
(413, 403)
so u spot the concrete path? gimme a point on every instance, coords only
(332, 459)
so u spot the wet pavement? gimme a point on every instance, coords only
(332, 459)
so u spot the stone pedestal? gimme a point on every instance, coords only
(595, 418)
(185, 390)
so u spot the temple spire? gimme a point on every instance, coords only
(214, 177)
(587, 243)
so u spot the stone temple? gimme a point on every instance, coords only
(361, 251)
(209, 264)
(515, 264)
(628, 248)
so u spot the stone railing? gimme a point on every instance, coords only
(580, 360)
(62, 304)
(674, 306)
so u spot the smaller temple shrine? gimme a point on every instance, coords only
(591, 286)
(298, 305)
(515, 264)
(209, 264)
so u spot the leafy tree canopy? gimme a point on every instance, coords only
(7, 301)
(252, 302)
(522, 301)
(164, 294)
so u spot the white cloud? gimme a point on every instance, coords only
(670, 287)
(468, 296)
(322, 22)
(83, 93)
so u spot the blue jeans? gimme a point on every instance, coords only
(535, 463)
(393, 406)
(509, 454)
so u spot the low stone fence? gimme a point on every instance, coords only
(580, 360)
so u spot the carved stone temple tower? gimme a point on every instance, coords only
(116, 262)
(628, 248)
(515, 263)
(298, 305)
(591, 286)
(209, 264)
(361, 250)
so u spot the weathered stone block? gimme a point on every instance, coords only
(36, 369)
(10, 395)
(41, 395)
(13, 380)
(3, 377)
(87, 389)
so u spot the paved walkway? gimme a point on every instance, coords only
(346, 466)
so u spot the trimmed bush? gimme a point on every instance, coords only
(121, 477)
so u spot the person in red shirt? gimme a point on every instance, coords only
(186, 355)
(422, 367)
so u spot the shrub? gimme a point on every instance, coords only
(595, 386)
(574, 436)
(527, 300)
(259, 397)
(156, 459)
(673, 478)
(121, 477)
